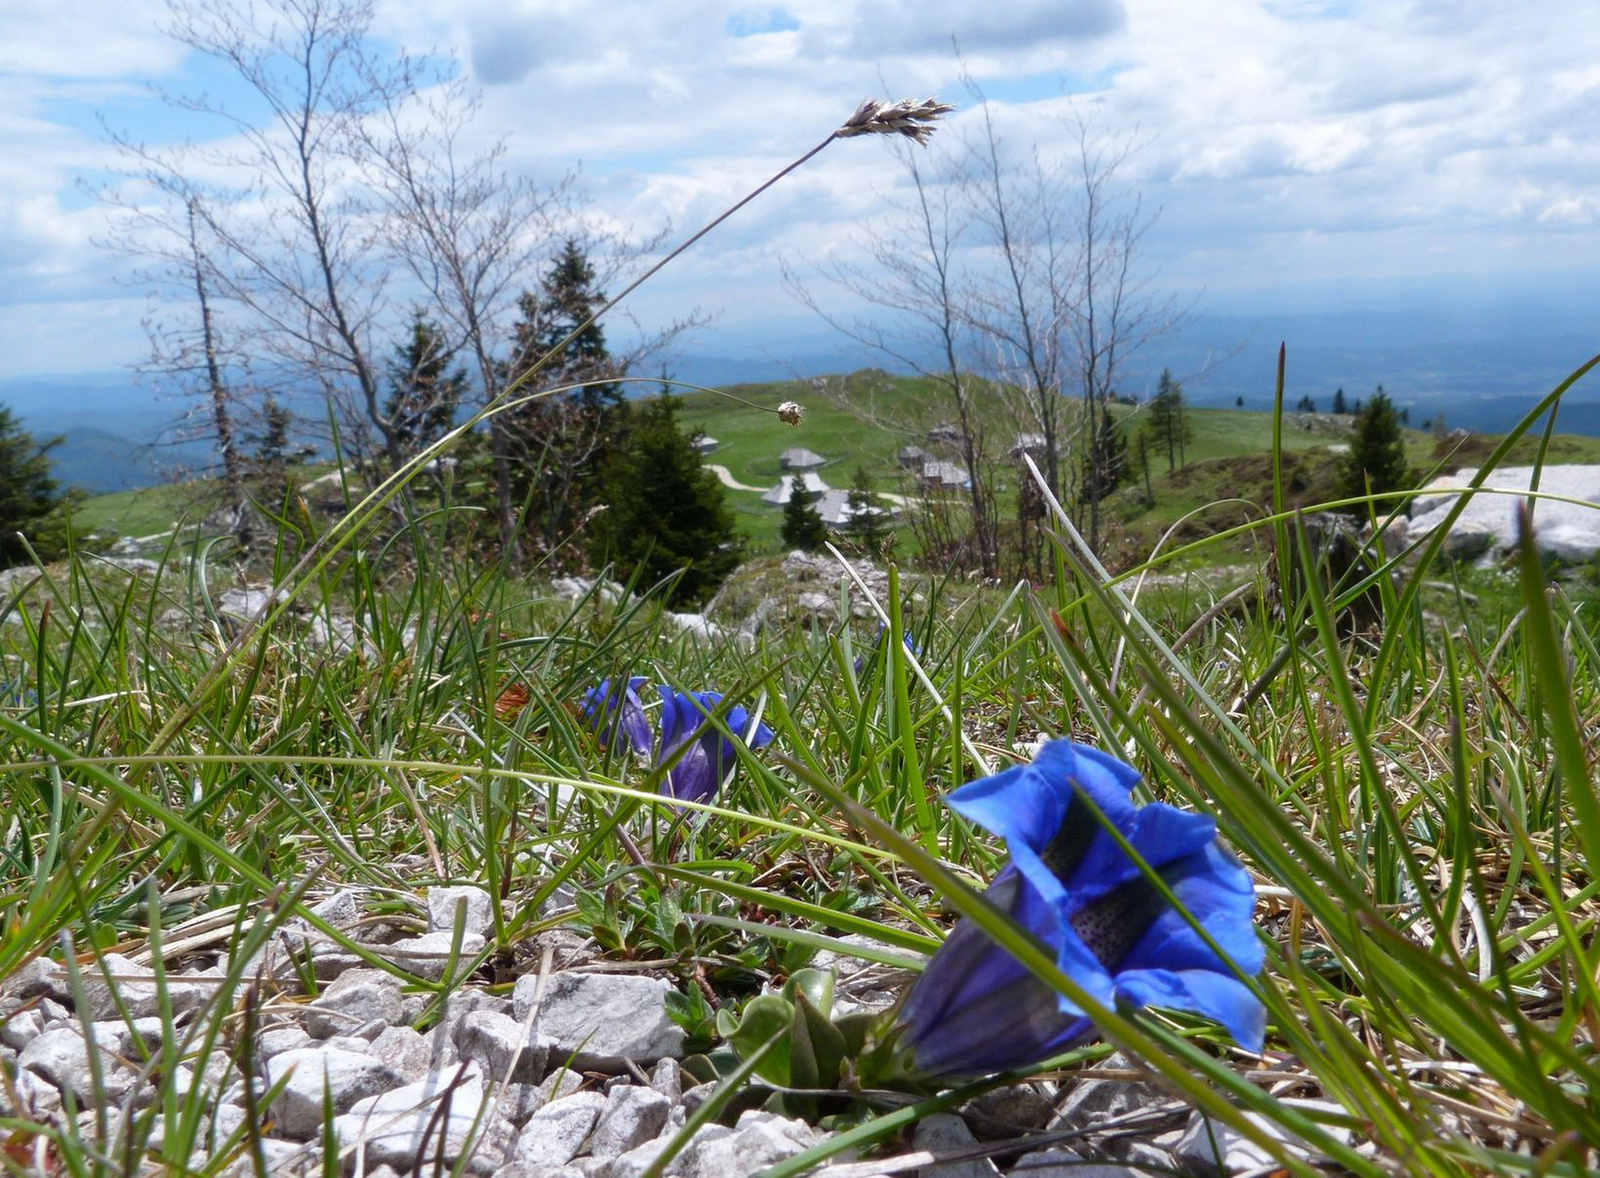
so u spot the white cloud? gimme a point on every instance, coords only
(84, 39)
(1305, 139)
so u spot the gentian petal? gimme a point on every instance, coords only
(1217, 891)
(1220, 997)
(600, 704)
(1071, 884)
(1028, 804)
(976, 1008)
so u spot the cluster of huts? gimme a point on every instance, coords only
(800, 465)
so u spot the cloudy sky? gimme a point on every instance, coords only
(1303, 154)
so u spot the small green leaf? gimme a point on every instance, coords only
(827, 1046)
(764, 1016)
(815, 984)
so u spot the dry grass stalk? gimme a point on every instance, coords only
(907, 117)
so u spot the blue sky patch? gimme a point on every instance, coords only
(753, 22)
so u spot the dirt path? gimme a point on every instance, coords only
(726, 475)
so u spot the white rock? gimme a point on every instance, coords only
(243, 603)
(603, 1021)
(405, 1049)
(1211, 1146)
(277, 1040)
(428, 956)
(640, 1158)
(944, 1134)
(61, 1056)
(1063, 1163)
(758, 1141)
(561, 1082)
(37, 1098)
(38, 977)
(1090, 1098)
(432, 1122)
(1568, 530)
(667, 1079)
(354, 1001)
(556, 1133)
(285, 1159)
(632, 1116)
(697, 625)
(344, 1075)
(21, 1029)
(132, 983)
(353, 1043)
(495, 1041)
(442, 910)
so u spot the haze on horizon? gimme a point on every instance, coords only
(1419, 170)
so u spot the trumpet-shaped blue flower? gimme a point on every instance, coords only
(620, 715)
(698, 774)
(977, 1009)
(877, 644)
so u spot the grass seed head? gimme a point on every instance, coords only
(907, 117)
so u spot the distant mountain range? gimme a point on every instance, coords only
(1480, 370)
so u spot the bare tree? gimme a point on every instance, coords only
(1023, 301)
(294, 224)
(909, 268)
(1115, 313)
(190, 354)
(472, 235)
(1068, 301)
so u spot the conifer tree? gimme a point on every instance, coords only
(562, 442)
(869, 519)
(666, 511)
(275, 453)
(1168, 421)
(424, 392)
(1339, 405)
(803, 527)
(566, 298)
(1376, 462)
(1104, 473)
(31, 501)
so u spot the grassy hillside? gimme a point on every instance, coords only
(149, 509)
(846, 421)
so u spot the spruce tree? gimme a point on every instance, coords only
(424, 393)
(666, 511)
(274, 454)
(1376, 462)
(566, 298)
(1338, 401)
(561, 442)
(1109, 461)
(803, 527)
(869, 519)
(31, 501)
(1168, 421)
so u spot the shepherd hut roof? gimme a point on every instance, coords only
(779, 495)
(799, 458)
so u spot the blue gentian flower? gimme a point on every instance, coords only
(624, 711)
(699, 772)
(877, 643)
(977, 1009)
